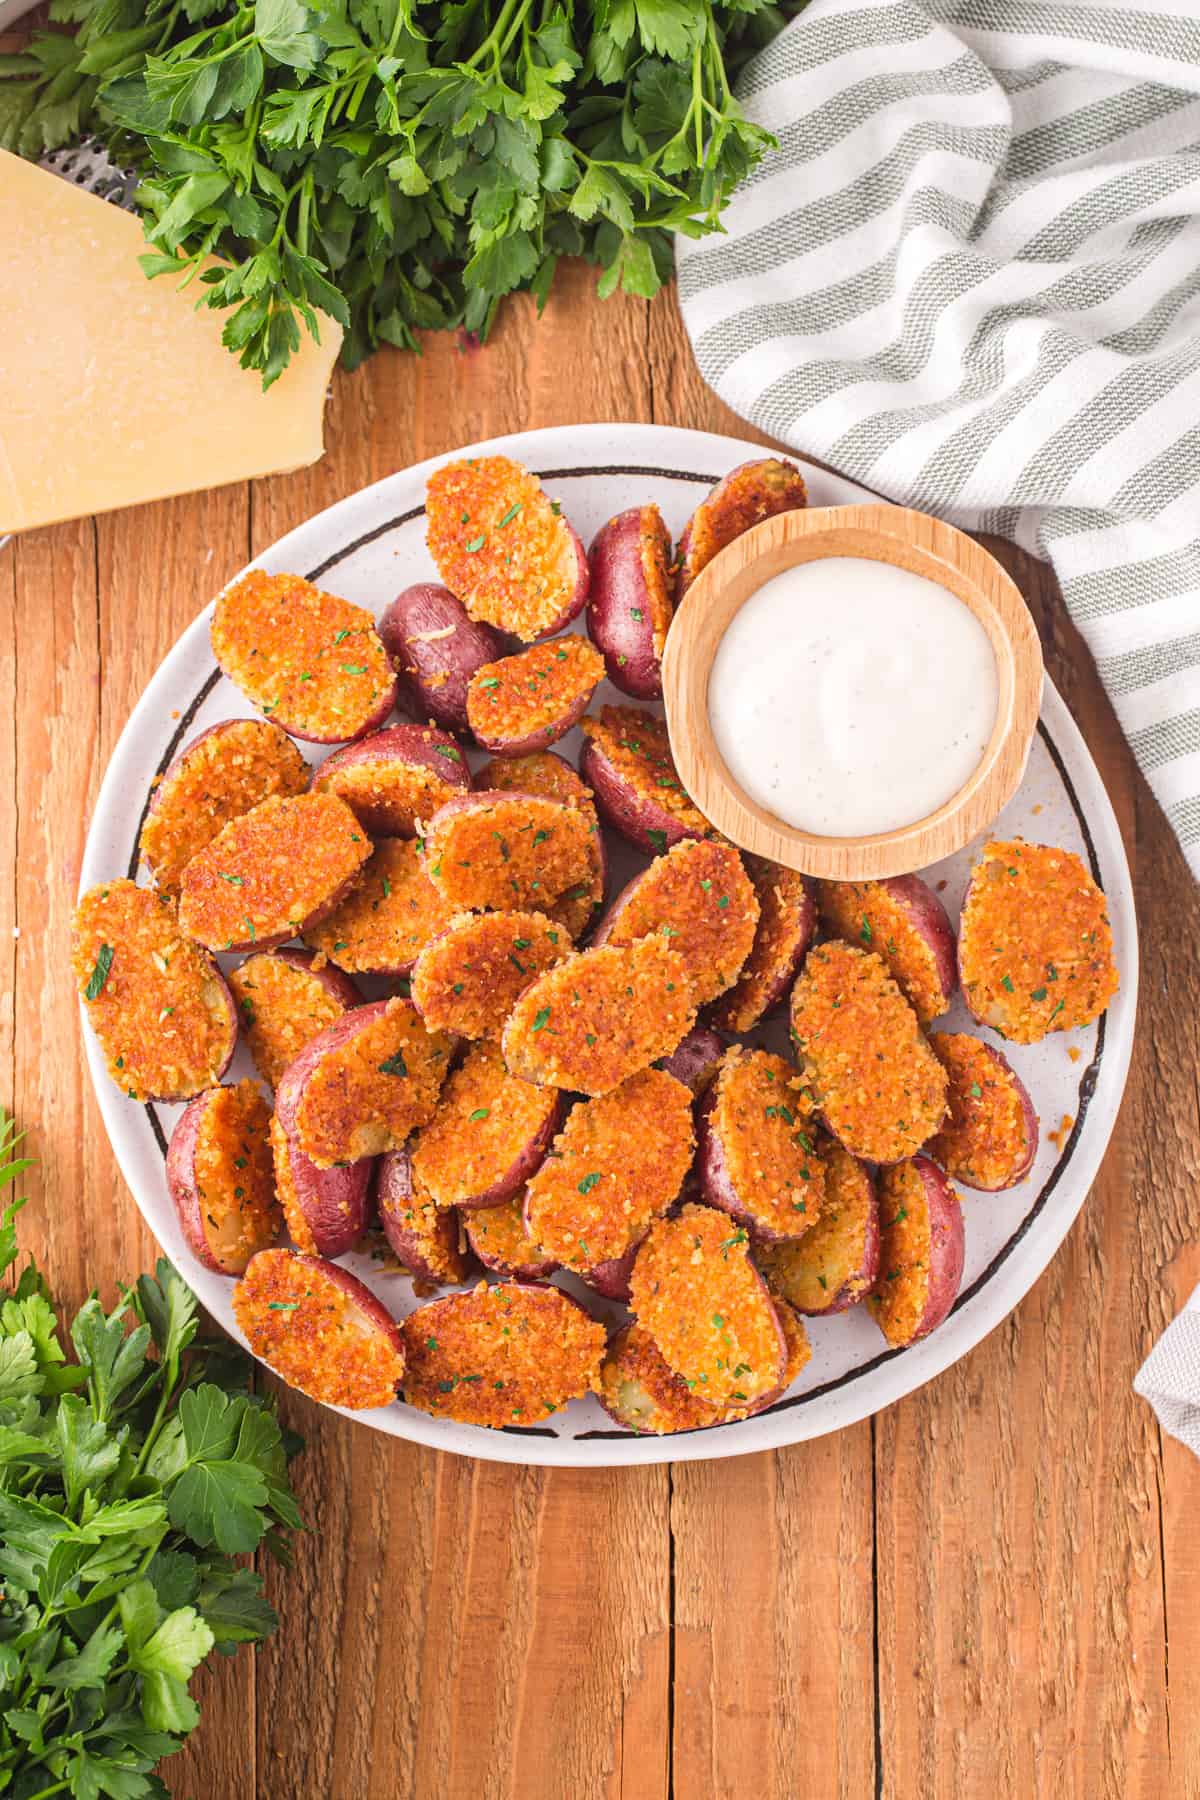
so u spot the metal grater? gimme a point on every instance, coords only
(88, 165)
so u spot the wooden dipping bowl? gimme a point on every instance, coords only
(890, 534)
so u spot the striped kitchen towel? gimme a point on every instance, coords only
(970, 278)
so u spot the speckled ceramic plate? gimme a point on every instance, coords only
(368, 547)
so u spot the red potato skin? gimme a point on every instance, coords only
(947, 1247)
(533, 1272)
(578, 600)
(632, 817)
(714, 497)
(359, 1294)
(537, 740)
(1032, 1130)
(393, 1193)
(528, 1161)
(432, 675)
(399, 743)
(931, 921)
(865, 1275)
(759, 1406)
(716, 1188)
(610, 1280)
(694, 1061)
(781, 983)
(181, 1183)
(334, 981)
(336, 1202)
(618, 589)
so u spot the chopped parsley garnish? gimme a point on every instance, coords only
(475, 544)
(395, 1065)
(542, 1019)
(658, 839)
(589, 1181)
(100, 973)
(481, 1112)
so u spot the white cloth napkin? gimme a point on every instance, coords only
(970, 277)
(1170, 1376)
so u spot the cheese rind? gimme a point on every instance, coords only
(114, 389)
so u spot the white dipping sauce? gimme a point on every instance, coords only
(849, 697)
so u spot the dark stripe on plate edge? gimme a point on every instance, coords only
(1087, 1083)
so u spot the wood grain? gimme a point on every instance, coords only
(992, 1589)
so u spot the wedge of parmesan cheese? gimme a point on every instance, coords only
(115, 389)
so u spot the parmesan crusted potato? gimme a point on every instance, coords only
(600, 1016)
(220, 775)
(320, 1328)
(502, 545)
(504, 1355)
(921, 1252)
(527, 702)
(1035, 947)
(220, 1178)
(310, 661)
(395, 779)
(759, 1161)
(159, 1006)
(879, 1088)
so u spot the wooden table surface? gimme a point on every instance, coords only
(992, 1589)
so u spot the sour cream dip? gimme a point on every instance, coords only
(849, 697)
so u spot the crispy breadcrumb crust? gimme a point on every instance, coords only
(157, 1004)
(828, 1261)
(392, 795)
(636, 744)
(280, 1009)
(697, 1293)
(785, 924)
(267, 874)
(600, 1016)
(699, 896)
(499, 1237)
(898, 1302)
(294, 1215)
(744, 498)
(986, 1132)
(502, 1355)
(436, 1236)
(312, 662)
(881, 1089)
(540, 772)
(470, 978)
(314, 1334)
(868, 913)
(233, 1175)
(658, 574)
(762, 1118)
(538, 691)
(638, 1387)
(544, 773)
(373, 1089)
(226, 772)
(501, 545)
(390, 914)
(1035, 945)
(485, 1121)
(618, 1163)
(517, 850)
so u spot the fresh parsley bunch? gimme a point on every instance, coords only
(400, 164)
(129, 1482)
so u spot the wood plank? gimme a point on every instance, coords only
(773, 1622)
(444, 1633)
(1021, 1640)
